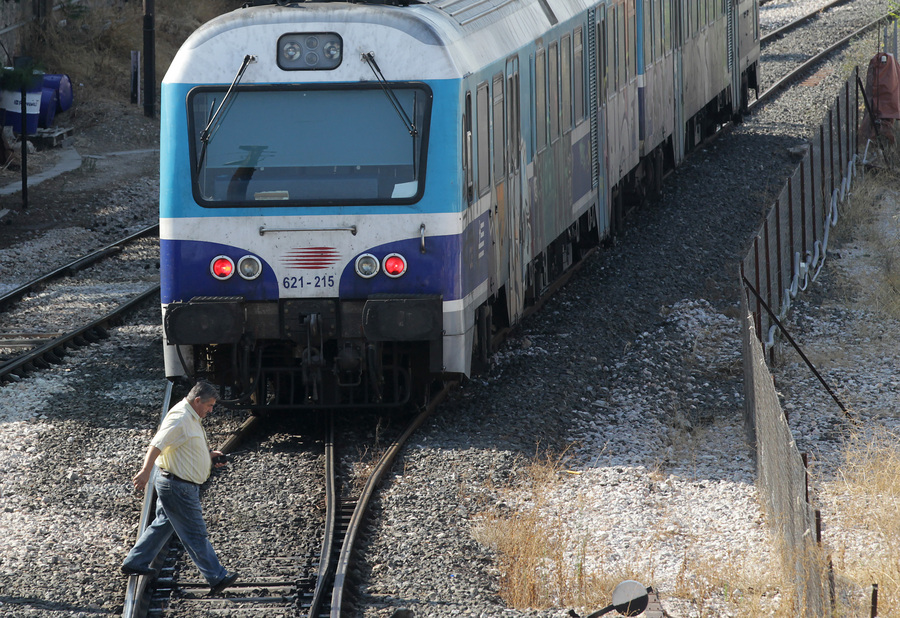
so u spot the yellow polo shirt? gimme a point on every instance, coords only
(182, 440)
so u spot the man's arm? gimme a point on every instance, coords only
(141, 479)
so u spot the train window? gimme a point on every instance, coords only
(668, 30)
(646, 14)
(621, 47)
(755, 21)
(689, 19)
(345, 144)
(609, 32)
(660, 16)
(578, 74)
(630, 40)
(565, 59)
(658, 32)
(553, 91)
(512, 115)
(499, 134)
(482, 138)
(540, 99)
(467, 149)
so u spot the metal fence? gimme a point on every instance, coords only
(783, 483)
(787, 254)
(791, 247)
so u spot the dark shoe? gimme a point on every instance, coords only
(127, 570)
(226, 581)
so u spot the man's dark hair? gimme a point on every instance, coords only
(204, 390)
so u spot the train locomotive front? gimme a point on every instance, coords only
(312, 247)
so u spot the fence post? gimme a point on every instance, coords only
(837, 107)
(791, 222)
(830, 158)
(856, 108)
(758, 311)
(778, 246)
(815, 228)
(803, 199)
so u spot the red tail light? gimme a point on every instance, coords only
(222, 267)
(394, 265)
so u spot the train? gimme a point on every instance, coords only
(356, 197)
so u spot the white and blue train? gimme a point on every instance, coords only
(355, 196)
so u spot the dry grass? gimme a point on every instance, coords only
(538, 566)
(92, 41)
(869, 214)
(870, 510)
(544, 563)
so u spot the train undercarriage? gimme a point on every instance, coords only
(315, 354)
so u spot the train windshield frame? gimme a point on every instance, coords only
(309, 145)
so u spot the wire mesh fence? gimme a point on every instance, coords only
(791, 246)
(786, 255)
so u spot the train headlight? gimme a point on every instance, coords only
(249, 267)
(222, 267)
(310, 51)
(367, 266)
(292, 50)
(394, 265)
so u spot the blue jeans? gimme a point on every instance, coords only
(177, 508)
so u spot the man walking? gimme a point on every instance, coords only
(181, 452)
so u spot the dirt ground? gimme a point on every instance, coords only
(117, 144)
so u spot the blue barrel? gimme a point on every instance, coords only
(47, 113)
(64, 94)
(11, 102)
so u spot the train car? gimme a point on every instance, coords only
(354, 197)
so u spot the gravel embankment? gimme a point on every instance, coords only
(634, 366)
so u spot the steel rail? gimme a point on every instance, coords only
(800, 20)
(49, 353)
(791, 76)
(326, 562)
(356, 520)
(136, 598)
(74, 266)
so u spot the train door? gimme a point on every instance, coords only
(499, 236)
(515, 206)
(732, 45)
(598, 85)
(678, 72)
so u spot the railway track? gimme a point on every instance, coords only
(293, 584)
(788, 53)
(66, 308)
(774, 34)
(804, 67)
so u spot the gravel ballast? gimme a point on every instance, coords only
(633, 370)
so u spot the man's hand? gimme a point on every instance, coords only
(219, 458)
(141, 479)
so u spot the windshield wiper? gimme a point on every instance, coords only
(369, 58)
(207, 132)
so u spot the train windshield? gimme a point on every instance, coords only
(290, 146)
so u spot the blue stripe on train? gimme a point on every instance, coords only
(451, 266)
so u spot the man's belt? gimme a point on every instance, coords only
(168, 475)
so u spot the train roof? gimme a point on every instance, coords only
(473, 13)
(470, 32)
